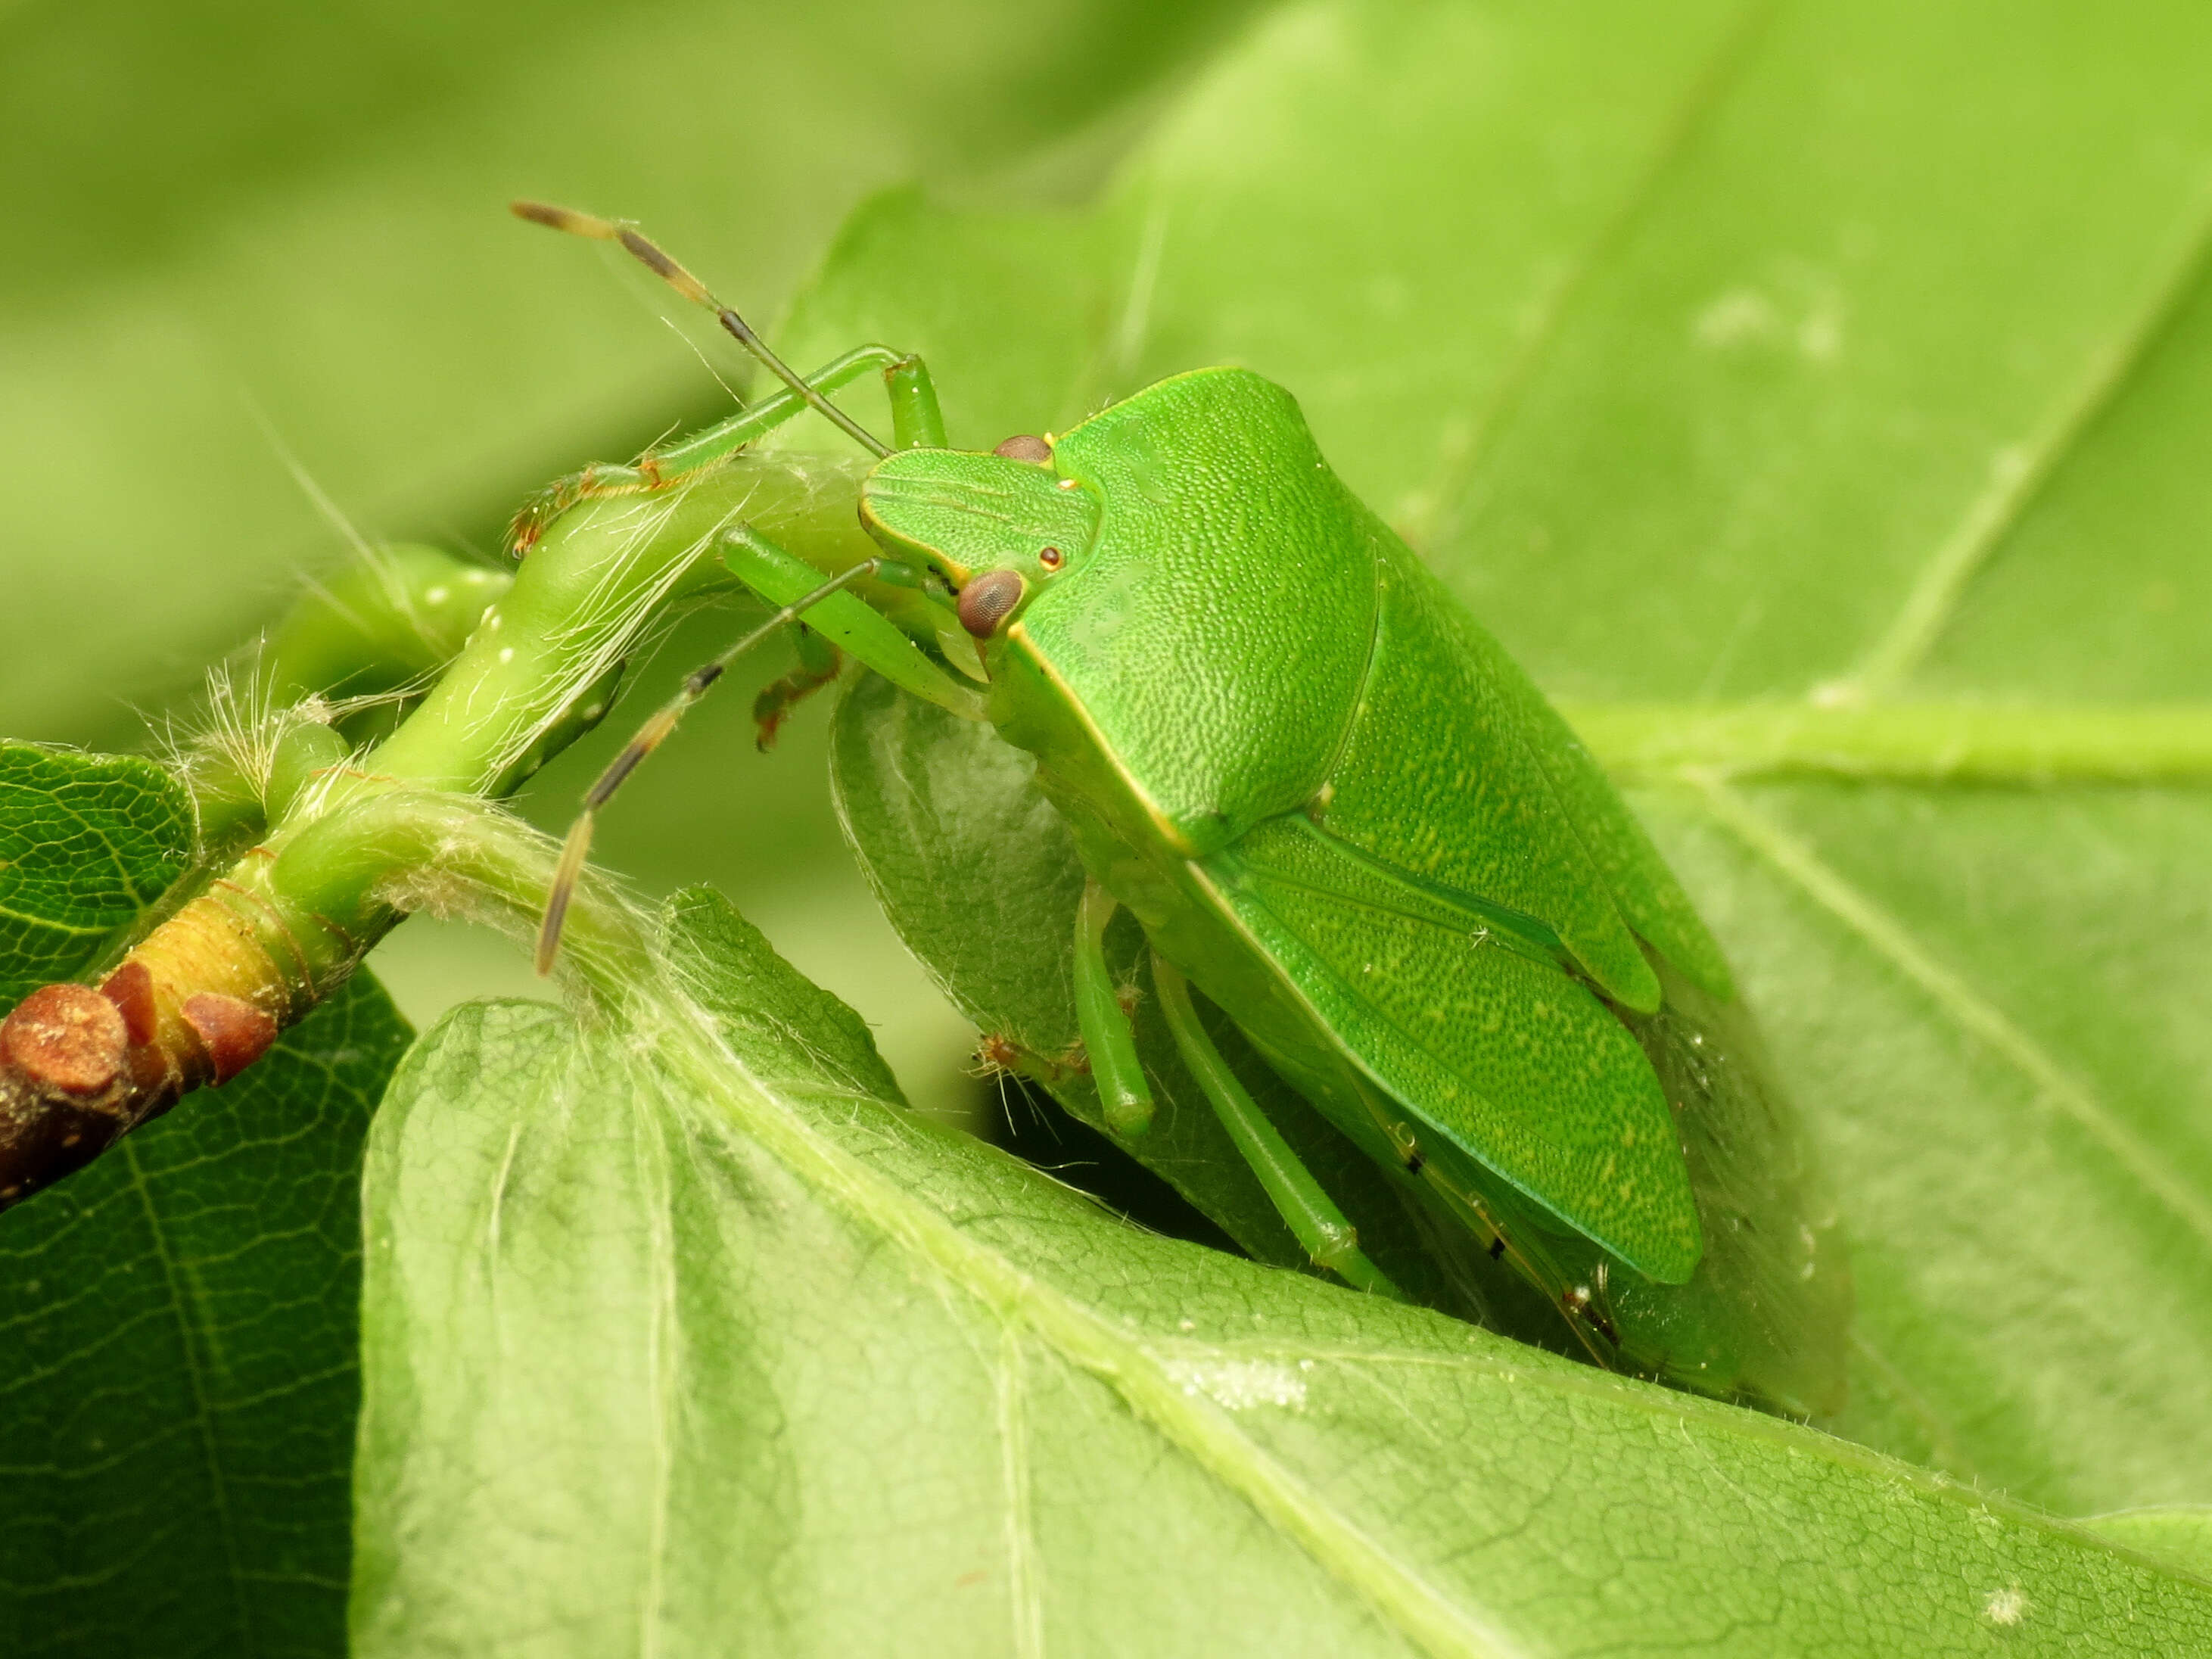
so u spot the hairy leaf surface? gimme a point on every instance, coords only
(681, 1340)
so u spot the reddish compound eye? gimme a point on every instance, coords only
(1052, 558)
(985, 602)
(1024, 446)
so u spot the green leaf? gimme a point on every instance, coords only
(677, 1342)
(768, 1008)
(2179, 1538)
(178, 1343)
(1767, 353)
(87, 844)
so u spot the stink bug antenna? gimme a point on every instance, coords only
(650, 256)
(650, 737)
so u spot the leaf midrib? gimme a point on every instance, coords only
(1137, 1369)
(1931, 744)
(1083, 1339)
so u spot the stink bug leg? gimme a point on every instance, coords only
(817, 666)
(1108, 1039)
(916, 421)
(650, 736)
(1311, 1215)
(771, 572)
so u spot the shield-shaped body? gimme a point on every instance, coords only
(1335, 803)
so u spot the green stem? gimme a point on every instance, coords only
(1920, 742)
(609, 569)
(355, 847)
(363, 866)
(540, 669)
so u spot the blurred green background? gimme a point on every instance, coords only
(259, 255)
(1763, 331)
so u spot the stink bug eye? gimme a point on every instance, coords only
(1024, 446)
(1052, 558)
(985, 602)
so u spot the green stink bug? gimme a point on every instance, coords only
(1337, 809)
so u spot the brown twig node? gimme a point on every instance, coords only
(66, 1038)
(198, 1001)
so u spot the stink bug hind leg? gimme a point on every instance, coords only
(1327, 1238)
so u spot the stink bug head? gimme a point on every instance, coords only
(992, 525)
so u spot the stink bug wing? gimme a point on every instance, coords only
(1651, 901)
(1774, 1315)
(1438, 777)
(1506, 1054)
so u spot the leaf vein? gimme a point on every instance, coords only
(1973, 1013)
(1401, 1596)
(1457, 465)
(195, 1382)
(2019, 474)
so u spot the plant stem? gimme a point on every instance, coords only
(357, 846)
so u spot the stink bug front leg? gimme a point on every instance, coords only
(916, 421)
(818, 663)
(783, 578)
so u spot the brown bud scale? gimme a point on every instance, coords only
(67, 1037)
(131, 988)
(232, 1031)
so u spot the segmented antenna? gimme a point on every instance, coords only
(650, 736)
(651, 257)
